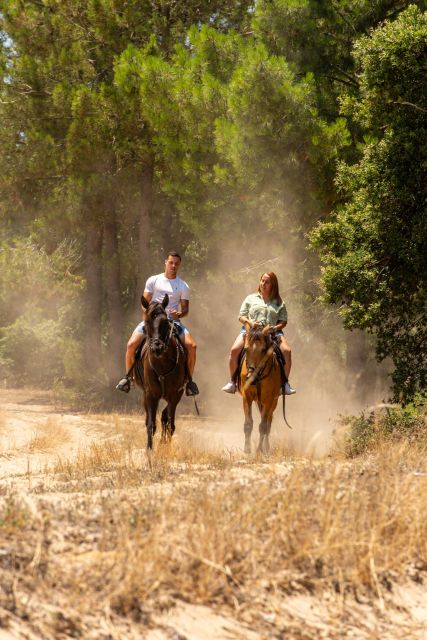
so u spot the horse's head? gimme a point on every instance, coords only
(157, 325)
(258, 346)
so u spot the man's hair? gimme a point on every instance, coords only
(174, 254)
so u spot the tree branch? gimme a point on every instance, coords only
(410, 104)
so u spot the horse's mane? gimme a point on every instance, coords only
(253, 335)
(257, 333)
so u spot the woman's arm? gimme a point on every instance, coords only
(280, 325)
(244, 313)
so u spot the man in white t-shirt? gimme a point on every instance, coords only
(178, 291)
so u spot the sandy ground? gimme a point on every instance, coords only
(29, 448)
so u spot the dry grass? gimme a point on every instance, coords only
(123, 456)
(325, 525)
(206, 527)
(49, 436)
(2, 422)
(3, 430)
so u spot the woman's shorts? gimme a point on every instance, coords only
(279, 332)
(182, 330)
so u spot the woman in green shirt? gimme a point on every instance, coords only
(260, 309)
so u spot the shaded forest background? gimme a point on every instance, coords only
(284, 135)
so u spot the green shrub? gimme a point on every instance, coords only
(40, 323)
(387, 423)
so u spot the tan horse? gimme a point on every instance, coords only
(260, 382)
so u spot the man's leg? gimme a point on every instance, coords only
(132, 346)
(191, 350)
(191, 346)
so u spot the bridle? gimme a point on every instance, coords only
(259, 372)
(152, 341)
(162, 376)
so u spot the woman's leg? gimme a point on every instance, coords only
(287, 355)
(234, 353)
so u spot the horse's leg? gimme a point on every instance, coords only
(172, 411)
(150, 419)
(262, 427)
(249, 423)
(265, 427)
(165, 424)
(266, 443)
(264, 431)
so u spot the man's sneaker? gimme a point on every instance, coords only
(289, 391)
(191, 389)
(230, 387)
(124, 385)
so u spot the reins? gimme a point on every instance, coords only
(257, 372)
(284, 412)
(165, 342)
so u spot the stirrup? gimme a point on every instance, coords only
(191, 388)
(124, 384)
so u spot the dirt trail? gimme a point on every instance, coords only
(37, 437)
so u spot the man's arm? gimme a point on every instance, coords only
(185, 306)
(148, 295)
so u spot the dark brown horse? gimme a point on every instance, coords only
(161, 370)
(260, 382)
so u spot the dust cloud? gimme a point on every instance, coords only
(328, 383)
(330, 371)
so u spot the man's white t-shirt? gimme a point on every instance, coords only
(176, 288)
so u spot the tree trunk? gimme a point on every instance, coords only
(93, 354)
(116, 342)
(145, 209)
(357, 359)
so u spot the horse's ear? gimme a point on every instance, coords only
(144, 302)
(247, 327)
(165, 301)
(267, 329)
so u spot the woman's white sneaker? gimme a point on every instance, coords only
(289, 391)
(230, 387)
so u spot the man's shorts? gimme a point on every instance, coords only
(279, 332)
(182, 330)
